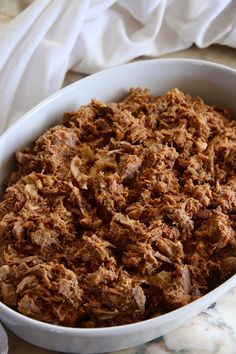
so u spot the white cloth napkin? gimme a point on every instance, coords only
(50, 37)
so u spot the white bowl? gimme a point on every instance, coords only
(216, 84)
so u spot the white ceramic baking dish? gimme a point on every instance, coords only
(216, 84)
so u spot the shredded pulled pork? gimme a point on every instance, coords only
(122, 212)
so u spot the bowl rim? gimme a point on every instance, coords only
(127, 328)
(148, 323)
(72, 86)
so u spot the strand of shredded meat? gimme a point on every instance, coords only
(122, 212)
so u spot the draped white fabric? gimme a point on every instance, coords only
(50, 37)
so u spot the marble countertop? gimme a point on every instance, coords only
(212, 331)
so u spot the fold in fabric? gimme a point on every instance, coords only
(51, 37)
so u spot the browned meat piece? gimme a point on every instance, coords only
(96, 251)
(228, 264)
(129, 165)
(175, 286)
(122, 212)
(121, 299)
(143, 257)
(171, 249)
(179, 292)
(218, 230)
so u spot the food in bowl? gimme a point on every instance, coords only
(122, 212)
